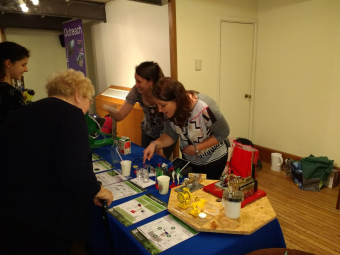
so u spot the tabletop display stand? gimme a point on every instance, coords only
(130, 126)
(252, 217)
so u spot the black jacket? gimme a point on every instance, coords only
(46, 174)
(10, 100)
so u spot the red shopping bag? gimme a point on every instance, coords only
(107, 126)
(244, 159)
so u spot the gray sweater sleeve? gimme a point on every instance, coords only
(168, 129)
(133, 96)
(219, 127)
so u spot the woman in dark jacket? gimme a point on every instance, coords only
(47, 184)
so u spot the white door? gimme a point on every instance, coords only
(236, 64)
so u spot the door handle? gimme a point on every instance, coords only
(247, 96)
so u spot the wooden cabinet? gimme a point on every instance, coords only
(130, 126)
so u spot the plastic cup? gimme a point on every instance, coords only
(163, 184)
(139, 173)
(232, 209)
(126, 167)
(145, 175)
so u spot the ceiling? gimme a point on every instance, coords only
(49, 14)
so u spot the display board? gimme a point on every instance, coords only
(123, 189)
(96, 157)
(137, 209)
(110, 177)
(101, 165)
(162, 234)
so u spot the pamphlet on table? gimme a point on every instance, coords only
(110, 177)
(96, 157)
(162, 234)
(137, 209)
(123, 189)
(101, 165)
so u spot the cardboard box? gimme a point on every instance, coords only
(124, 145)
(333, 179)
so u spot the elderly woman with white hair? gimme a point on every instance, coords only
(47, 184)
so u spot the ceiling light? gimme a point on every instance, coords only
(24, 8)
(35, 2)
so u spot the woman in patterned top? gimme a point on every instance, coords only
(147, 74)
(196, 119)
(13, 63)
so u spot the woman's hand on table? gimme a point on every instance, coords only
(149, 151)
(103, 194)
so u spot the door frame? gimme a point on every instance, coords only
(173, 52)
(253, 73)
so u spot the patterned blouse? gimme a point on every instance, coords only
(10, 100)
(150, 124)
(206, 120)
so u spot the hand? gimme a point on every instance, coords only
(190, 150)
(103, 194)
(226, 168)
(97, 202)
(148, 152)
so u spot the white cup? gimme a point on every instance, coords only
(163, 184)
(231, 209)
(277, 161)
(126, 167)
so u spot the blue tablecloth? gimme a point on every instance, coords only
(269, 236)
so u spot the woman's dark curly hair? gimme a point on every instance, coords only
(169, 89)
(12, 51)
(149, 71)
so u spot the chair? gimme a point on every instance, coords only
(279, 251)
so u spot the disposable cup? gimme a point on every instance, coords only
(231, 209)
(163, 184)
(126, 167)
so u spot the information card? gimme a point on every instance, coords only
(137, 209)
(162, 234)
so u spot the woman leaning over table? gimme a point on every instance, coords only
(13, 64)
(47, 184)
(196, 119)
(146, 75)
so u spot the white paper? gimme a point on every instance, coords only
(142, 184)
(101, 165)
(110, 177)
(123, 189)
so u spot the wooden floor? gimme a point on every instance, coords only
(308, 219)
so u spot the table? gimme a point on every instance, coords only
(269, 236)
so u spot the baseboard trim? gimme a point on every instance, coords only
(265, 154)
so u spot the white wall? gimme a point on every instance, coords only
(47, 56)
(297, 91)
(198, 38)
(134, 33)
(297, 106)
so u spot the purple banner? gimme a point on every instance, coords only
(74, 45)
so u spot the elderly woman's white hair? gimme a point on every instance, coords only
(67, 83)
